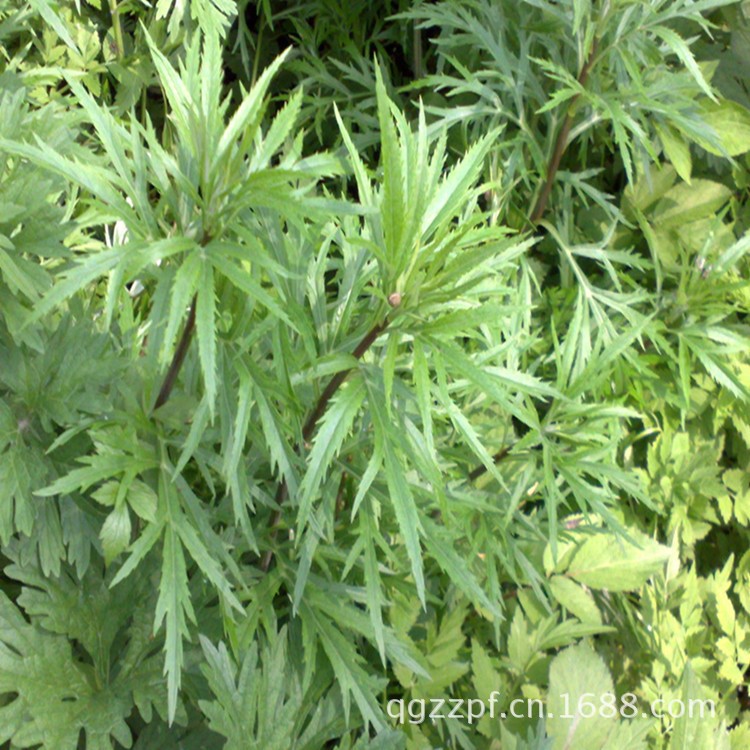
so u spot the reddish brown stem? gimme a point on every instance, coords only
(335, 382)
(541, 205)
(178, 359)
(182, 347)
(308, 429)
(562, 142)
(479, 470)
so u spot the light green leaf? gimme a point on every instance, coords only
(373, 584)
(333, 430)
(677, 150)
(143, 500)
(246, 119)
(606, 561)
(692, 730)
(578, 678)
(46, 11)
(205, 328)
(115, 533)
(173, 605)
(677, 44)
(575, 599)
(451, 196)
(186, 281)
(731, 122)
(139, 549)
(686, 203)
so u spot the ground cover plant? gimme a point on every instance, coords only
(361, 361)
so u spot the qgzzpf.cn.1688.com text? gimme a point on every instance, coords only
(584, 706)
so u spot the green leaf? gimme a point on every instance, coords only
(143, 500)
(46, 11)
(373, 584)
(205, 313)
(186, 281)
(691, 730)
(401, 496)
(139, 549)
(677, 150)
(206, 562)
(731, 122)
(244, 282)
(247, 117)
(173, 606)
(394, 201)
(686, 203)
(607, 561)
(438, 543)
(451, 196)
(333, 430)
(578, 678)
(115, 533)
(352, 678)
(49, 698)
(94, 267)
(575, 599)
(677, 44)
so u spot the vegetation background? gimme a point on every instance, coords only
(359, 351)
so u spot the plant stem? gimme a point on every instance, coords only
(308, 429)
(178, 358)
(256, 56)
(114, 12)
(561, 143)
(418, 53)
(338, 379)
(182, 346)
(479, 470)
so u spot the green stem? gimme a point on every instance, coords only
(256, 57)
(114, 12)
(418, 53)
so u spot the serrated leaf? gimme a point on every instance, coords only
(606, 561)
(173, 606)
(332, 431)
(575, 599)
(578, 678)
(731, 122)
(115, 533)
(143, 500)
(677, 150)
(248, 115)
(205, 313)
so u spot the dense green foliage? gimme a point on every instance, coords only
(361, 351)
